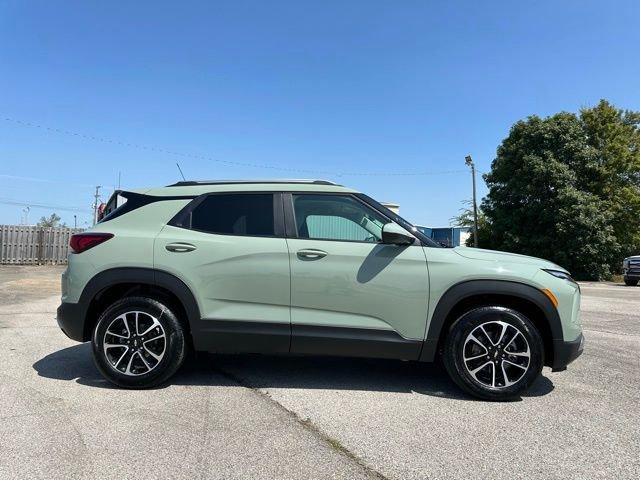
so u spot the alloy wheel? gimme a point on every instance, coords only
(134, 343)
(496, 354)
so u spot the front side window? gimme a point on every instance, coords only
(235, 214)
(336, 217)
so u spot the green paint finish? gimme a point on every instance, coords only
(360, 284)
(232, 277)
(132, 246)
(449, 266)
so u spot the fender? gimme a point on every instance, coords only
(146, 276)
(471, 288)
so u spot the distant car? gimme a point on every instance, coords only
(631, 270)
(306, 267)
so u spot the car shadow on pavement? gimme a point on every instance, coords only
(262, 371)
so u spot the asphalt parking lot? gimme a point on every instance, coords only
(278, 417)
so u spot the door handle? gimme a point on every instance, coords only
(311, 254)
(180, 247)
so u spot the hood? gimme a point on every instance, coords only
(633, 257)
(505, 257)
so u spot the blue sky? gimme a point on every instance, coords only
(340, 86)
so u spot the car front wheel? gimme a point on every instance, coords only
(494, 353)
(138, 342)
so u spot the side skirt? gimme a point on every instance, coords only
(230, 336)
(353, 342)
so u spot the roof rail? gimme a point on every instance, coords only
(191, 183)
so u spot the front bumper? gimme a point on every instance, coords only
(70, 318)
(632, 275)
(566, 352)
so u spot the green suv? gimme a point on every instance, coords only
(310, 268)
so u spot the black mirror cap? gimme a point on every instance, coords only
(394, 238)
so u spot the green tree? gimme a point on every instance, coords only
(539, 202)
(615, 174)
(465, 219)
(52, 220)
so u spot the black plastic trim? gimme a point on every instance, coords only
(278, 215)
(463, 290)
(289, 216)
(352, 342)
(566, 352)
(236, 336)
(71, 320)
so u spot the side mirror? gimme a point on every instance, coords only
(396, 235)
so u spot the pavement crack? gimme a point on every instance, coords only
(307, 424)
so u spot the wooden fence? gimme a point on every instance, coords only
(30, 245)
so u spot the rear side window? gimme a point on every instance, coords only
(235, 214)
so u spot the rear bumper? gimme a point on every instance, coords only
(566, 352)
(70, 317)
(635, 275)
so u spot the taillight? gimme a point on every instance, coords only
(84, 241)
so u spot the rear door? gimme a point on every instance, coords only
(350, 293)
(230, 250)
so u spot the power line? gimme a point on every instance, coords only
(43, 180)
(226, 162)
(21, 203)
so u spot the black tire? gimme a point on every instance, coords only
(456, 343)
(173, 353)
(631, 283)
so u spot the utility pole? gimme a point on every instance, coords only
(96, 204)
(75, 221)
(469, 162)
(25, 210)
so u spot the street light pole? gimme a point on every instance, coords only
(469, 162)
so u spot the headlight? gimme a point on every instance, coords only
(560, 274)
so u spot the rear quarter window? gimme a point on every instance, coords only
(234, 214)
(122, 203)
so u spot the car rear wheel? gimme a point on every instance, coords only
(494, 353)
(138, 342)
(631, 283)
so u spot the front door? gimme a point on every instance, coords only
(351, 294)
(229, 249)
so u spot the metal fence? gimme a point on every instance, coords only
(31, 245)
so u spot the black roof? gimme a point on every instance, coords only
(191, 183)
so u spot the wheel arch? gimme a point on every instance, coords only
(111, 284)
(467, 295)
